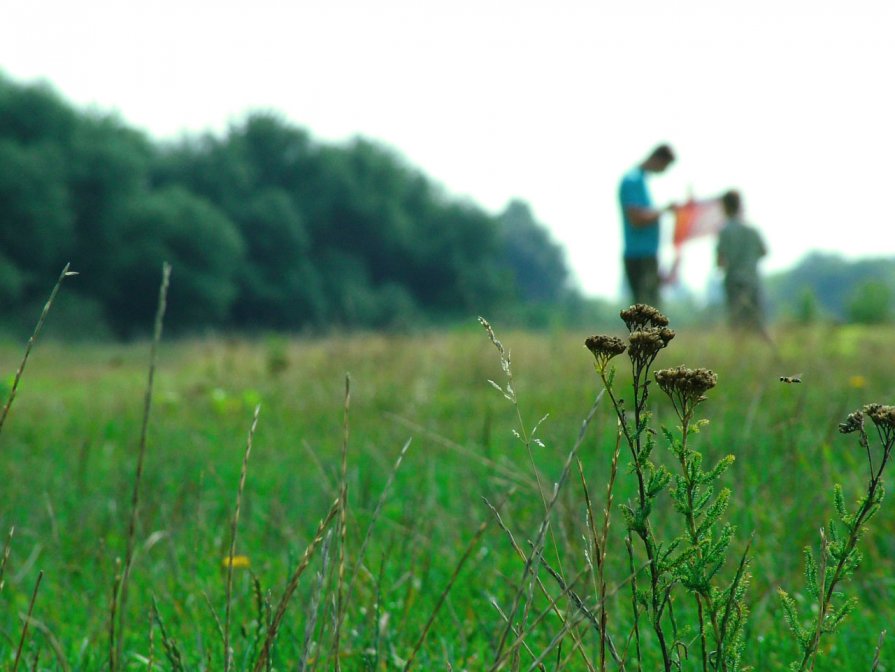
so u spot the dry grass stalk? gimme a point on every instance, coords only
(135, 497)
(380, 503)
(113, 612)
(879, 645)
(293, 584)
(542, 531)
(53, 642)
(601, 564)
(214, 615)
(228, 654)
(170, 646)
(343, 526)
(15, 665)
(151, 661)
(314, 605)
(444, 593)
(507, 471)
(556, 610)
(525, 645)
(37, 329)
(6, 549)
(569, 627)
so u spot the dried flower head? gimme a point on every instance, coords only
(853, 423)
(686, 387)
(604, 348)
(641, 316)
(645, 343)
(883, 416)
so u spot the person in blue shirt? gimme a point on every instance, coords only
(640, 220)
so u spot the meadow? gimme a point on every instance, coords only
(415, 570)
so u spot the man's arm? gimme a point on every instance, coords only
(640, 216)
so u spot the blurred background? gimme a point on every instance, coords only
(306, 166)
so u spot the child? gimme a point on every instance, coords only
(739, 248)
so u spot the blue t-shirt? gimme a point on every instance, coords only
(640, 241)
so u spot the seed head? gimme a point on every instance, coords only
(604, 348)
(608, 346)
(853, 423)
(641, 316)
(645, 343)
(882, 416)
(686, 385)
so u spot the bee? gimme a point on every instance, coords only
(797, 378)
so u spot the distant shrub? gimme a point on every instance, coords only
(870, 303)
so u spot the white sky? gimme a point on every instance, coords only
(790, 101)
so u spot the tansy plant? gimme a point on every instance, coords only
(690, 562)
(839, 556)
(687, 607)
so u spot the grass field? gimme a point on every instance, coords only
(68, 456)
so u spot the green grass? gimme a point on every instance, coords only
(68, 455)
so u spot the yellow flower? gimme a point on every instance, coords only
(857, 382)
(239, 562)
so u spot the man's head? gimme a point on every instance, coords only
(659, 159)
(731, 203)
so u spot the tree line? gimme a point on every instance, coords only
(265, 227)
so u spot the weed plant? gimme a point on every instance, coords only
(688, 606)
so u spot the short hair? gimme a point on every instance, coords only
(731, 202)
(663, 153)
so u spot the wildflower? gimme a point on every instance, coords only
(645, 343)
(238, 562)
(641, 316)
(853, 423)
(857, 382)
(883, 416)
(604, 348)
(685, 387)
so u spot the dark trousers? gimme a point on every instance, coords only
(643, 279)
(744, 306)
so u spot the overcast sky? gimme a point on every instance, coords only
(792, 102)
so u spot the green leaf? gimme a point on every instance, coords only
(718, 469)
(839, 504)
(811, 573)
(791, 616)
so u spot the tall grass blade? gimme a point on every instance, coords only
(444, 593)
(274, 628)
(135, 497)
(228, 654)
(37, 329)
(15, 665)
(6, 548)
(343, 528)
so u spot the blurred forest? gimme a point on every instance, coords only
(828, 288)
(266, 229)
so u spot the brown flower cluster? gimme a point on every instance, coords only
(645, 342)
(853, 423)
(641, 316)
(686, 385)
(605, 346)
(882, 416)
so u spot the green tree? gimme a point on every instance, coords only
(279, 286)
(36, 225)
(538, 263)
(203, 247)
(870, 303)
